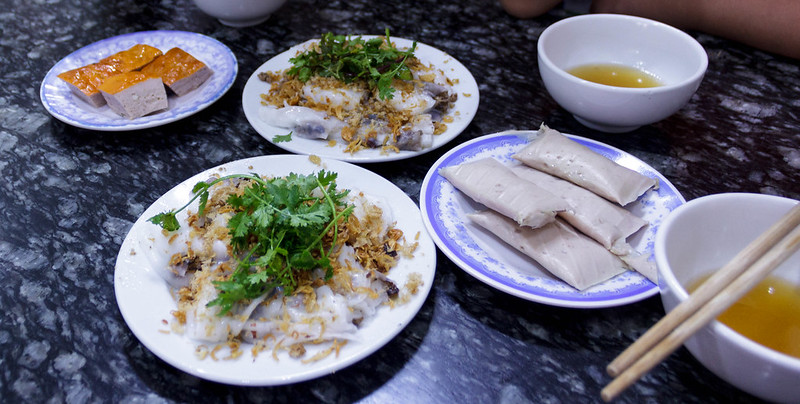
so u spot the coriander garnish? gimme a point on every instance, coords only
(282, 138)
(348, 59)
(277, 229)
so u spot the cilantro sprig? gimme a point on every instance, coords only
(282, 138)
(277, 229)
(349, 59)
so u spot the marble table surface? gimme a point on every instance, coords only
(68, 197)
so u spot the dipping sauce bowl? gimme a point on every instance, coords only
(666, 54)
(697, 239)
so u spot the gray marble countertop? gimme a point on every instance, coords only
(68, 197)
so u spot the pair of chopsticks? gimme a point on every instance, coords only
(749, 267)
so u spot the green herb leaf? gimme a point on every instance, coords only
(277, 229)
(282, 138)
(348, 59)
(166, 220)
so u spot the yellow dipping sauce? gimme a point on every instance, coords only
(769, 314)
(615, 75)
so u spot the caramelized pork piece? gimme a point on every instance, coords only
(180, 71)
(135, 58)
(134, 94)
(85, 80)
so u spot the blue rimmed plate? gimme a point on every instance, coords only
(488, 259)
(60, 102)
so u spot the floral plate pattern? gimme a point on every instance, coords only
(60, 102)
(485, 257)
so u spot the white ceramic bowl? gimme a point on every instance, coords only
(239, 13)
(673, 57)
(700, 237)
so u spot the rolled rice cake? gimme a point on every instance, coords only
(85, 80)
(134, 94)
(491, 183)
(552, 152)
(180, 71)
(566, 253)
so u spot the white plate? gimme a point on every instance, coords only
(463, 111)
(60, 102)
(144, 299)
(490, 260)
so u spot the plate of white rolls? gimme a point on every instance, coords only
(548, 217)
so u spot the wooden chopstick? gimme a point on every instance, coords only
(715, 295)
(710, 288)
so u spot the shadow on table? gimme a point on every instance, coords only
(583, 342)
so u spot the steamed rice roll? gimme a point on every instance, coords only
(491, 183)
(556, 154)
(564, 252)
(607, 223)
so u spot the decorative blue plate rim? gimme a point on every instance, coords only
(483, 256)
(62, 104)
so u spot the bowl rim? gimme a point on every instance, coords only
(665, 273)
(695, 77)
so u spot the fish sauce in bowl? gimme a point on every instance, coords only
(768, 314)
(616, 75)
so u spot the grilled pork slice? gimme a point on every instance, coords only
(134, 94)
(85, 80)
(180, 71)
